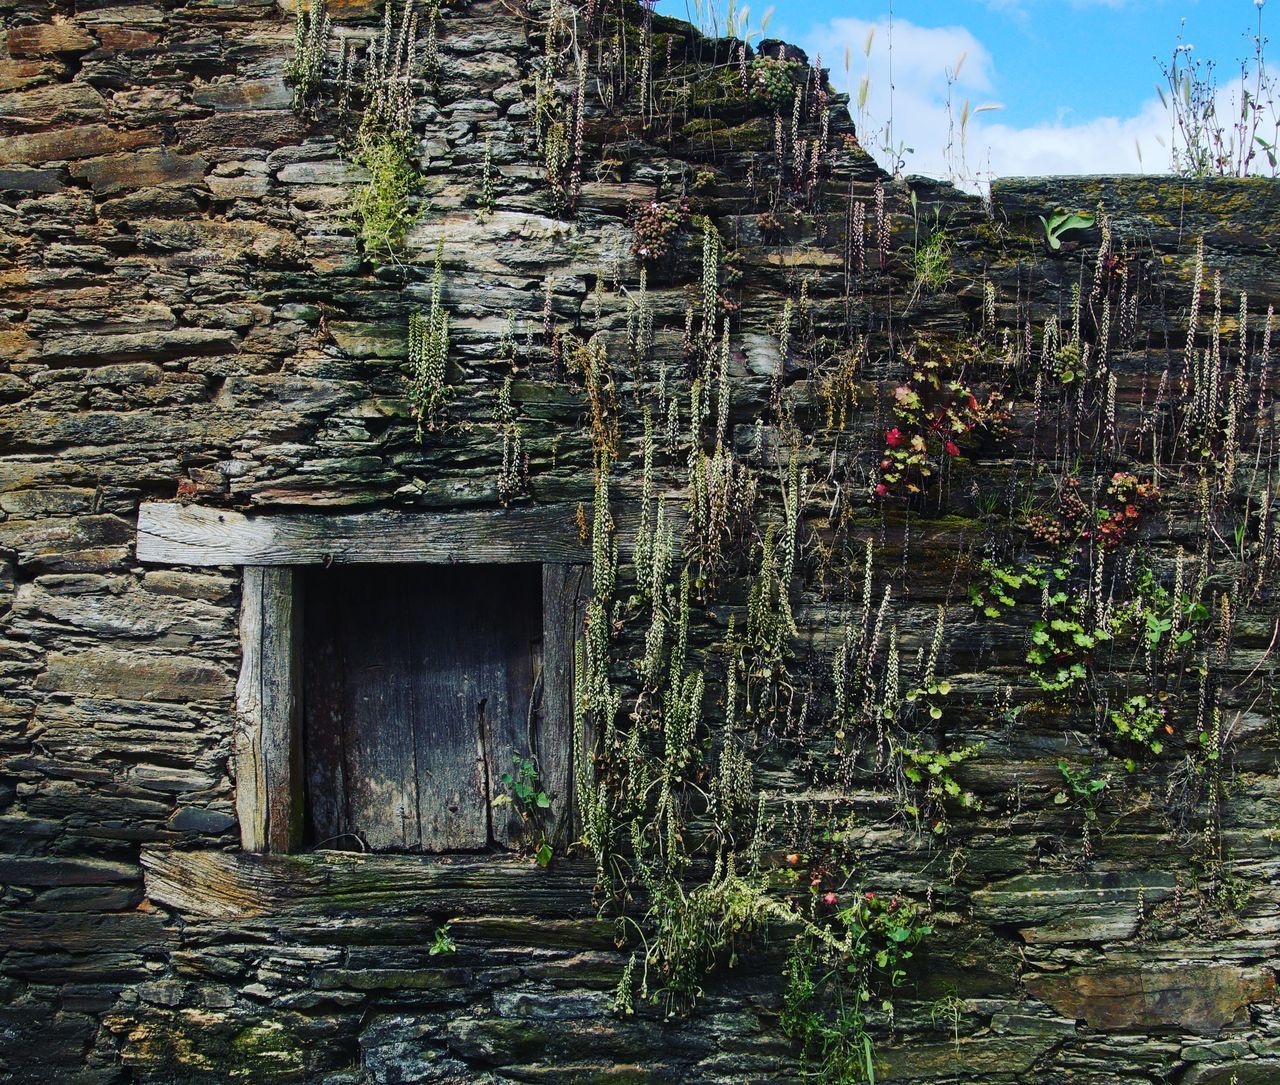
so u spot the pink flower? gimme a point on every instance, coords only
(952, 448)
(829, 899)
(881, 489)
(893, 437)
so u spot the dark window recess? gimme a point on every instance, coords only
(420, 684)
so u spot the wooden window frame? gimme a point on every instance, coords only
(271, 548)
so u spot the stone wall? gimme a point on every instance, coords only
(187, 314)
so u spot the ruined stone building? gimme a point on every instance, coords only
(526, 557)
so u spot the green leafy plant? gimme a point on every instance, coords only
(1141, 722)
(842, 971)
(1166, 621)
(530, 801)
(441, 942)
(383, 204)
(773, 80)
(932, 262)
(931, 258)
(997, 592)
(526, 791)
(928, 771)
(1061, 645)
(1061, 222)
(1081, 787)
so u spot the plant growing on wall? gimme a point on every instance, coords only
(383, 204)
(1062, 222)
(382, 143)
(513, 475)
(524, 792)
(842, 972)
(935, 411)
(429, 356)
(305, 71)
(654, 227)
(773, 80)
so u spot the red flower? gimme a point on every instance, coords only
(952, 448)
(1131, 511)
(881, 489)
(870, 895)
(829, 899)
(893, 437)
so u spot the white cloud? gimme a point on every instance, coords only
(1101, 145)
(921, 59)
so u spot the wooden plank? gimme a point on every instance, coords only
(251, 785)
(565, 589)
(508, 604)
(453, 676)
(268, 711)
(371, 625)
(239, 885)
(171, 533)
(281, 707)
(175, 534)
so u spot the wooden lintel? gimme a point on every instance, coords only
(237, 885)
(176, 534)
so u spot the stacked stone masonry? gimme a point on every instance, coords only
(187, 315)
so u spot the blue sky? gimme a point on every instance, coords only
(1076, 79)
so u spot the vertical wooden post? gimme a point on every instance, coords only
(268, 710)
(564, 589)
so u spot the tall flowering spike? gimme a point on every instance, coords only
(429, 354)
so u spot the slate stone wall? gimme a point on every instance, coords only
(186, 314)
